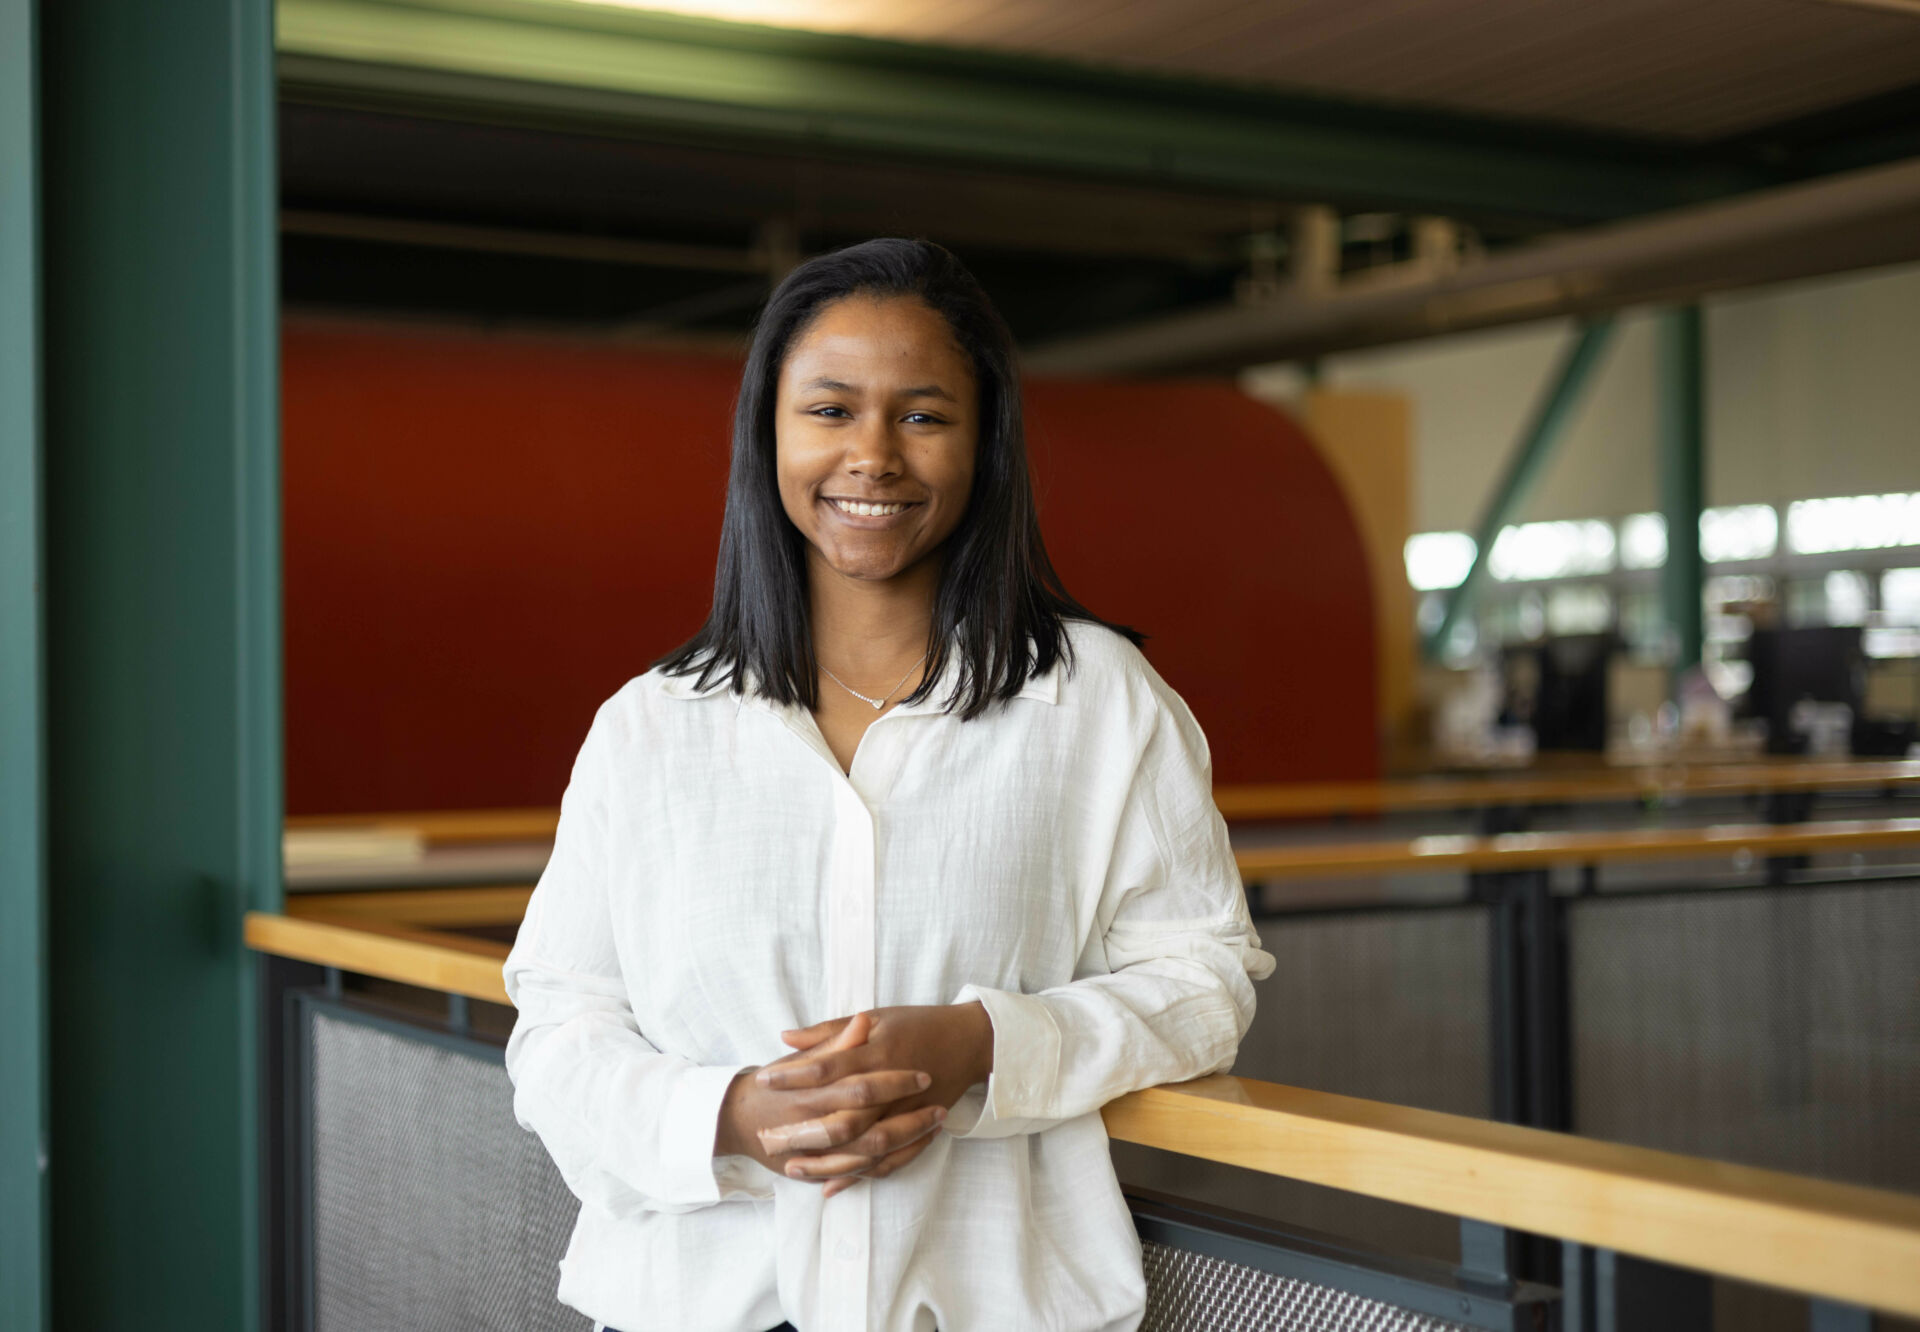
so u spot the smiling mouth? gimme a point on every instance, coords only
(864, 509)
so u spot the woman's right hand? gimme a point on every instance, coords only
(769, 1124)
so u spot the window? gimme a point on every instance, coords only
(1848, 597)
(1739, 532)
(1857, 522)
(1643, 541)
(1579, 608)
(1552, 550)
(1900, 596)
(1437, 560)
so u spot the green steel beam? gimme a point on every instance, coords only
(1682, 477)
(1881, 128)
(162, 654)
(628, 71)
(1529, 459)
(24, 1269)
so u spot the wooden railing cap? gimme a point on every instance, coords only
(1836, 1241)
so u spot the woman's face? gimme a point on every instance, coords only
(876, 405)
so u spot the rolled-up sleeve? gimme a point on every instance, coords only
(1163, 990)
(630, 1128)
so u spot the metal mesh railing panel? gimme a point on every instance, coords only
(1192, 1292)
(1390, 1006)
(1778, 1027)
(432, 1210)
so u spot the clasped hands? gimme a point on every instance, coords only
(860, 1096)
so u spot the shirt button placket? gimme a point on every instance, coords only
(846, 1222)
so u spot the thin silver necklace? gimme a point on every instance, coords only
(880, 702)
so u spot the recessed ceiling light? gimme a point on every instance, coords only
(1911, 7)
(776, 13)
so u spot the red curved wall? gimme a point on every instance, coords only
(485, 535)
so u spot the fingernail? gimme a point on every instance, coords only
(765, 1079)
(795, 1172)
(939, 1113)
(773, 1144)
(922, 1081)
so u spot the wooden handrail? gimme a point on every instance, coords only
(1518, 851)
(442, 827)
(1813, 1237)
(431, 959)
(1470, 854)
(1835, 1241)
(419, 908)
(1284, 800)
(1319, 799)
(424, 914)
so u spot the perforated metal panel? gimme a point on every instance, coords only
(433, 1211)
(1192, 1292)
(1390, 1006)
(1778, 1027)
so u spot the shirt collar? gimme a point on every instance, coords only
(1046, 688)
(687, 686)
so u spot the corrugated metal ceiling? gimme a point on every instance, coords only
(1688, 69)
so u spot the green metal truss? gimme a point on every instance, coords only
(1524, 467)
(618, 70)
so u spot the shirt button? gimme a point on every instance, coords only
(847, 1251)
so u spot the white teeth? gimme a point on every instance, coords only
(865, 510)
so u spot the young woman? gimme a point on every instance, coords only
(868, 898)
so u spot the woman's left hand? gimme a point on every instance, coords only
(951, 1042)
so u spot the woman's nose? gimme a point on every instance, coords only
(874, 450)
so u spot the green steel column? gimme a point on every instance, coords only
(1682, 477)
(1529, 459)
(23, 897)
(163, 669)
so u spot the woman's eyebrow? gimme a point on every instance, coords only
(823, 382)
(827, 384)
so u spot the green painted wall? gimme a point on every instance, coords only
(161, 502)
(23, 1080)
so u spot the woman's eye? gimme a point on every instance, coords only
(830, 411)
(922, 418)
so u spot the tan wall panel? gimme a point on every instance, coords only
(1367, 441)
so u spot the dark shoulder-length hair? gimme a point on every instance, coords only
(996, 579)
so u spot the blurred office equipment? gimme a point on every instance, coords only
(1569, 676)
(1822, 665)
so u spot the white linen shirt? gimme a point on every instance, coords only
(717, 878)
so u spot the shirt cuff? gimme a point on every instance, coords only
(689, 1169)
(1026, 1065)
(743, 1177)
